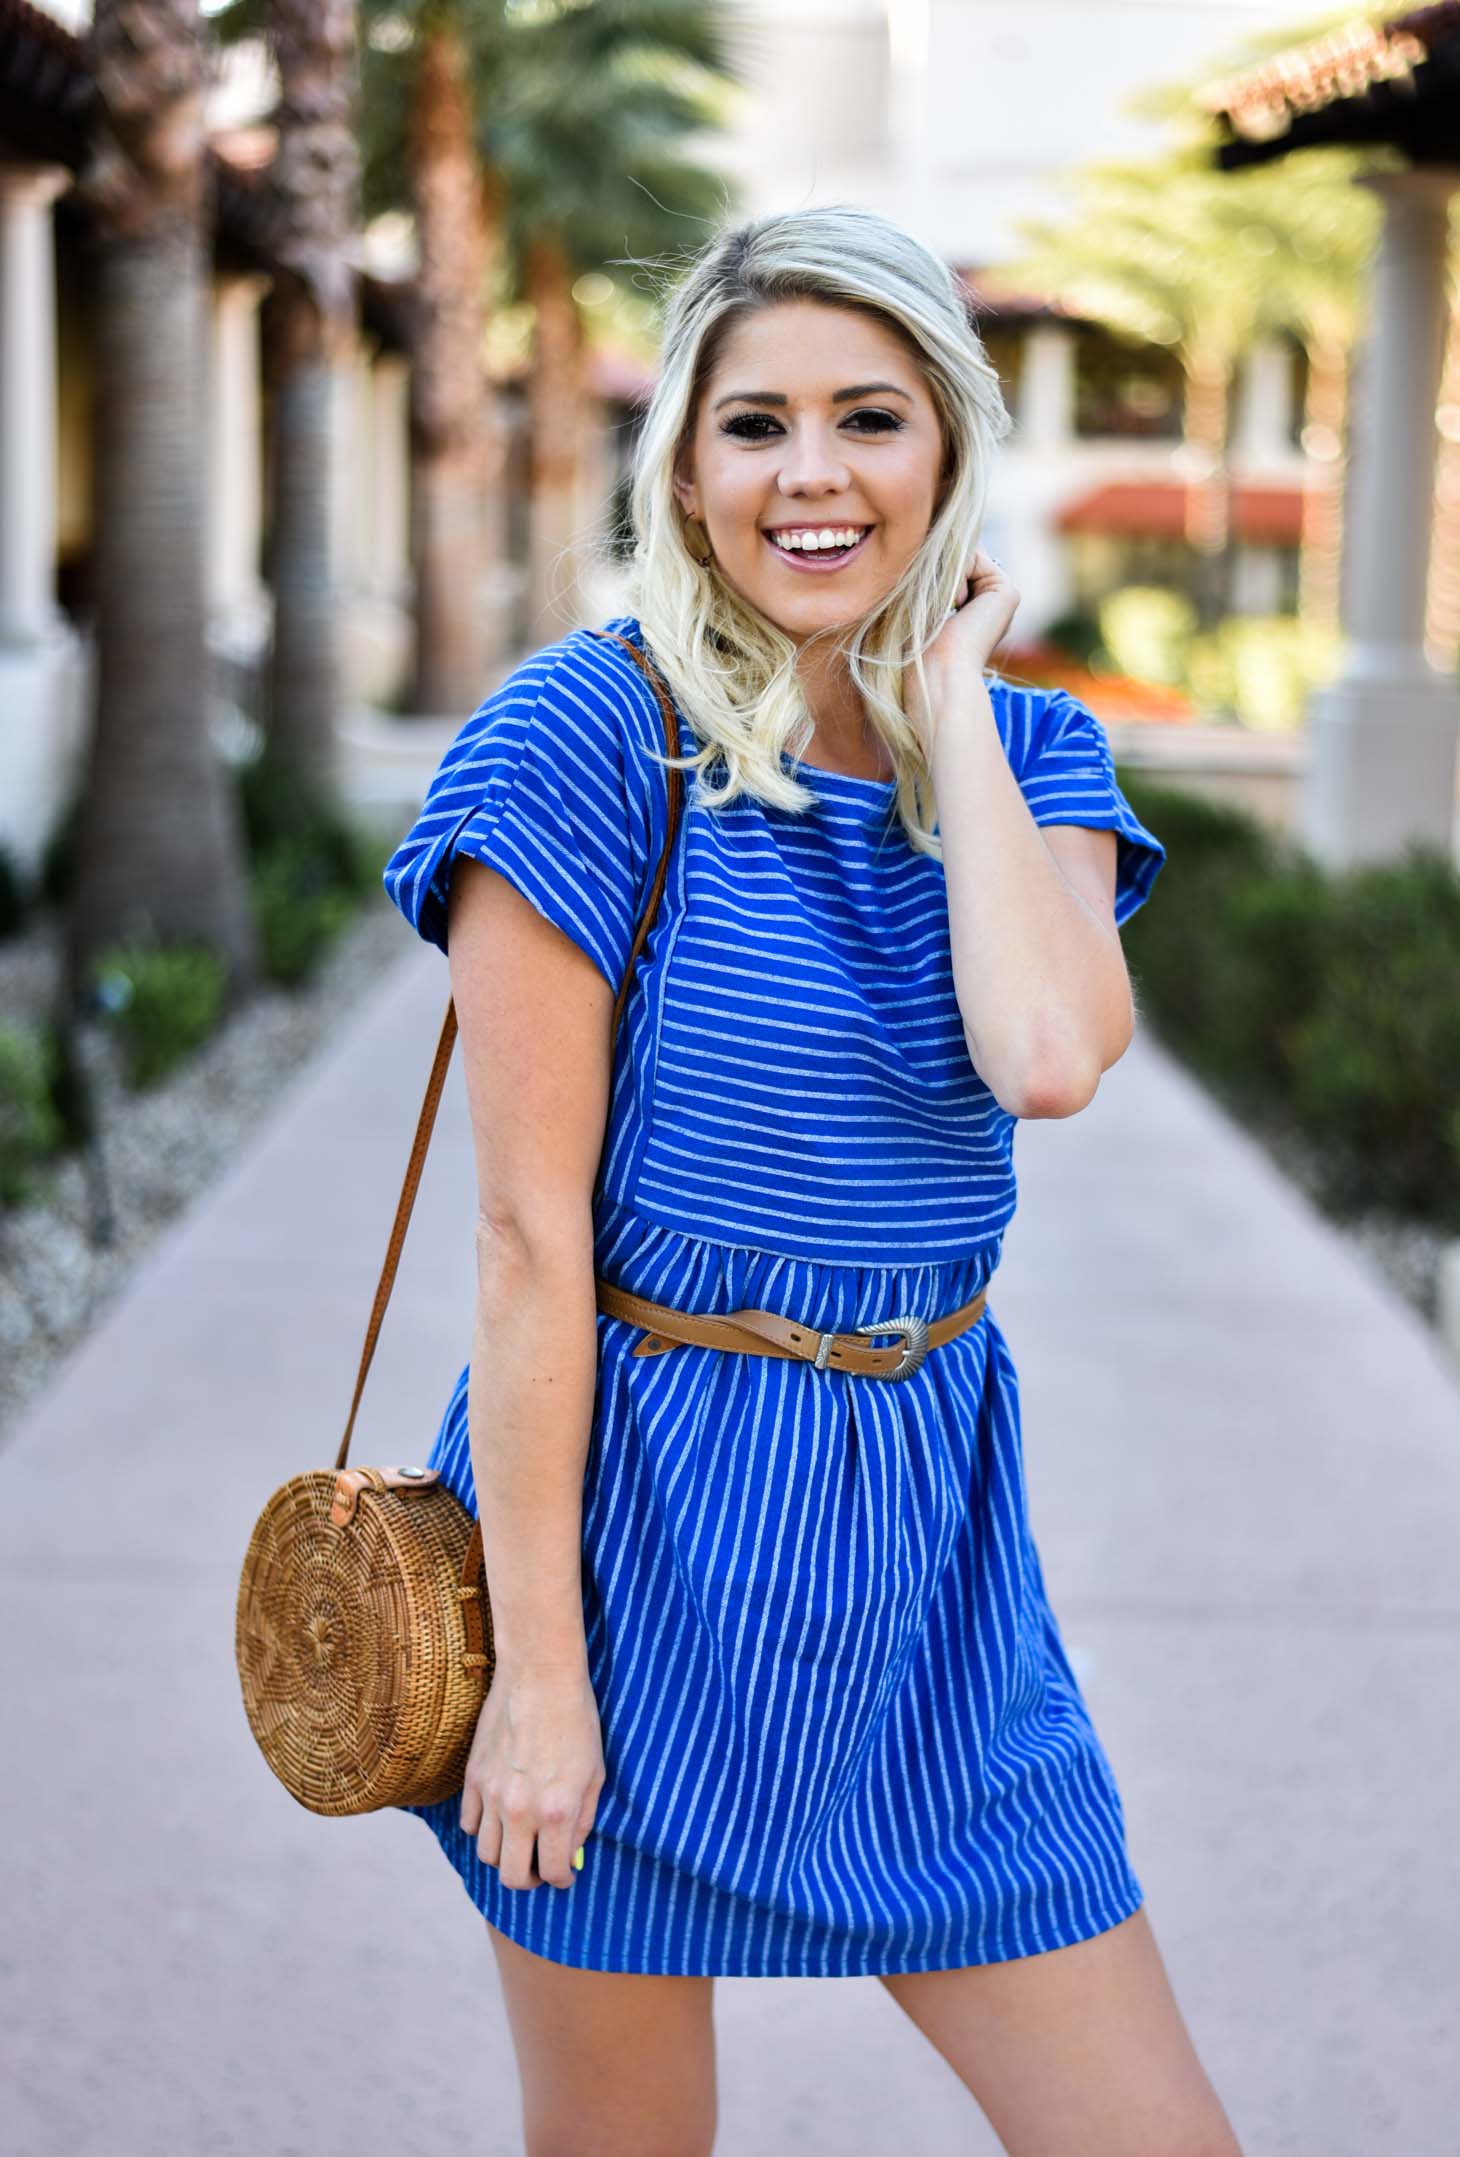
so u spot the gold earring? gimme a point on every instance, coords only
(694, 536)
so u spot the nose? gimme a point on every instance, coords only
(811, 461)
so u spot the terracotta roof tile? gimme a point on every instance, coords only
(1156, 509)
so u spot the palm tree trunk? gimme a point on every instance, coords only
(1320, 547)
(159, 844)
(308, 326)
(556, 399)
(1208, 495)
(304, 663)
(454, 446)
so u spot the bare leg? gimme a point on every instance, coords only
(1080, 2050)
(611, 2065)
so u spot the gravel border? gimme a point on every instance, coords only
(158, 1148)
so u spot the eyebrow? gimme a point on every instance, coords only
(838, 396)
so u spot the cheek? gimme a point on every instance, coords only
(907, 500)
(738, 498)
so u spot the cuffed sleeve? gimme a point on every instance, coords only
(1067, 776)
(549, 783)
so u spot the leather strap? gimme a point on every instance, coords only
(426, 1121)
(767, 1333)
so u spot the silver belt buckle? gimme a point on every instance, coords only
(914, 1332)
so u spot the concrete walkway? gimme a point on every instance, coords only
(1244, 1459)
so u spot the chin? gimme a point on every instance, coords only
(816, 610)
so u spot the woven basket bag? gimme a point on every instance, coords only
(363, 1630)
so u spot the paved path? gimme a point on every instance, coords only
(1244, 1459)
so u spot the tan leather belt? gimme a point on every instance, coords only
(768, 1333)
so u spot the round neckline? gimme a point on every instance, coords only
(842, 778)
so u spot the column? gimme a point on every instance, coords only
(28, 611)
(237, 599)
(1265, 409)
(1385, 733)
(1047, 389)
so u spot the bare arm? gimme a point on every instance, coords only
(534, 1015)
(1038, 968)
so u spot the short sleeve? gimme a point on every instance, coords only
(1061, 757)
(550, 783)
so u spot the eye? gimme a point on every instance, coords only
(746, 425)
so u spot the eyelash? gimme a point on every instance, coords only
(744, 420)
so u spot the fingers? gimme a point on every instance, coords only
(515, 1867)
(527, 1849)
(557, 1839)
(489, 1836)
(983, 563)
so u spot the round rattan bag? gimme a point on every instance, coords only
(364, 1637)
(363, 1630)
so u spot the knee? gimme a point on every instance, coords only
(575, 2134)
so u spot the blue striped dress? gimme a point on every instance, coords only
(841, 1733)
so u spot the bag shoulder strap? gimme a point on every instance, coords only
(427, 1119)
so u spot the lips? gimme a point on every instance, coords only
(823, 561)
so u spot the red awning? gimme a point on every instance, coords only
(1156, 509)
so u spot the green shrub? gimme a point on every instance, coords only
(30, 1128)
(163, 999)
(1077, 632)
(1284, 934)
(1325, 1001)
(282, 811)
(1376, 1077)
(1147, 631)
(1262, 667)
(298, 912)
(1182, 952)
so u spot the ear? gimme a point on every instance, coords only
(684, 494)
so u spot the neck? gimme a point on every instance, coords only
(842, 735)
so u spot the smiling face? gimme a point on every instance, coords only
(814, 463)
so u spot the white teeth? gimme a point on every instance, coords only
(845, 535)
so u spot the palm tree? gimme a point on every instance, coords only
(308, 319)
(1143, 256)
(458, 434)
(595, 104)
(1312, 232)
(463, 111)
(1317, 231)
(159, 851)
(1177, 253)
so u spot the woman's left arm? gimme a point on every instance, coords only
(1038, 968)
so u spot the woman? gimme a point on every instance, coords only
(777, 1688)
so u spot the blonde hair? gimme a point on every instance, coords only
(732, 671)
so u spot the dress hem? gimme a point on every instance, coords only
(1126, 1907)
